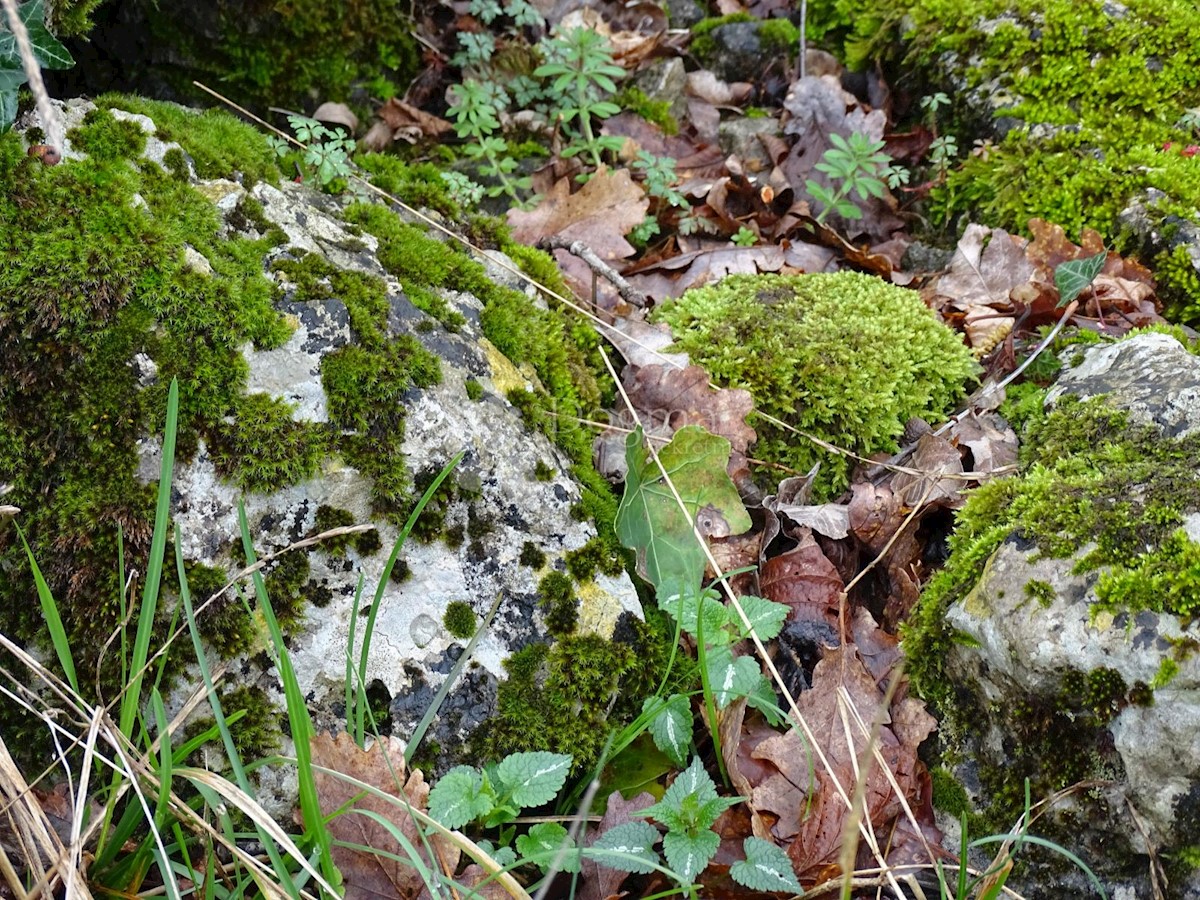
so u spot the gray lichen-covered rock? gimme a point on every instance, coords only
(320, 387)
(1050, 676)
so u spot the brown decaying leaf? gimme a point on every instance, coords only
(367, 875)
(600, 213)
(667, 278)
(804, 579)
(601, 882)
(814, 849)
(987, 265)
(633, 29)
(682, 397)
(336, 114)
(874, 514)
(993, 444)
(935, 457)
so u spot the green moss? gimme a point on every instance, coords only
(104, 137)
(567, 698)
(948, 795)
(560, 606)
(1112, 88)
(531, 556)
(219, 145)
(543, 471)
(257, 734)
(474, 390)
(69, 18)
(459, 619)
(1041, 591)
(598, 554)
(1078, 466)
(416, 184)
(227, 625)
(287, 581)
(1167, 670)
(634, 100)
(262, 51)
(779, 37)
(846, 357)
(263, 449)
(92, 277)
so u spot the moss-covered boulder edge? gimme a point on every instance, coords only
(1113, 497)
(107, 294)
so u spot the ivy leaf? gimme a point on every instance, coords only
(47, 49)
(459, 797)
(627, 848)
(765, 868)
(1073, 277)
(671, 726)
(543, 845)
(649, 519)
(534, 778)
(689, 855)
(766, 616)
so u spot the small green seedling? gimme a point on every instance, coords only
(496, 794)
(326, 152)
(856, 166)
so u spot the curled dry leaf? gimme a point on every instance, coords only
(993, 444)
(368, 875)
(668, 278)
(682, 397)
(337, 114)
(936, 458)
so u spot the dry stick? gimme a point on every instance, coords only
(33, 72)
(753, 634)
(627, 291)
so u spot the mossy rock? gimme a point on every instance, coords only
(1089, 102)
(297, 378)
(259, 53)
(845, 357)
(1064, 629)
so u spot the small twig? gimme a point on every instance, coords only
(627, 291)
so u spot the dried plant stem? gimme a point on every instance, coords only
(33, 72)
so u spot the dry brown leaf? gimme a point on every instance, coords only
(874, 514)
(804, 579)
(682, 397)
(369, 875)
(337, 114)
(993, 444)
(936, 458)
(668, 278)
(987, 265)
(600, 213)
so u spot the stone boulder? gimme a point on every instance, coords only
(1070, 619)
(347, 392)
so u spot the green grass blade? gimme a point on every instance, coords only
(54, 623)
(231, 752)
(360, 707)
(426, 720)
(158, 546)
(301, 724)
(349, 686)
(166, 758)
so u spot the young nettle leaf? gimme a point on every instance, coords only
(691, 803)
(703, 614)
(764, 700)
(1074, 277)
(544, 843)
(766, 616)
(461, 796)
(626, 848)
(731, 676)
(671, 726)
(689, 854)
(532, 779)
(765, 868)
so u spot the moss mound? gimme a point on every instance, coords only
(846, 357)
